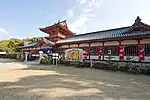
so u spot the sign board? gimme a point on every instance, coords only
(74, 54)
(2, 52)
(94, 57)
(109, 52)
(55, 55)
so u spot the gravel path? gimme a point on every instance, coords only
(21, 81)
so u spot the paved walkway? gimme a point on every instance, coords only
(24, 81)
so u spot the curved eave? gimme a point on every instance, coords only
(106, 39)
(29, 46)
(43, 30)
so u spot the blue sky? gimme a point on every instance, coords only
(23, 18)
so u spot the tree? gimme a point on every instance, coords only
(12, 44)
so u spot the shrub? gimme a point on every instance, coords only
(44, 59)
(84, 64)
(67, 63)
(18, 56)
(12, 56)
(50, 60)
(99, 65)
(75, 63)
(62, 61)
(22, 57)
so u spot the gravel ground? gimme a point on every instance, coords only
(22, 81)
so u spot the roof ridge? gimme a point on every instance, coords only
(98, 31)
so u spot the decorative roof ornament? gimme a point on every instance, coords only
(137, 19)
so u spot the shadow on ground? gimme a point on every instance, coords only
(68, 83)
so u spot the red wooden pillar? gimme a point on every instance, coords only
(121, 51)
(103, 50)
(100, 52)
(89, 50)
(141, 52)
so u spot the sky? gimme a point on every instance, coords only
(23, 18)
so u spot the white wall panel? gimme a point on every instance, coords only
(84, 45)
(111, 43)
(74, 45)
(145, 41)
(65, 46)
(97, 44)
(126, 42)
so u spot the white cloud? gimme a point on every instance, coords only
(96, 15)
(4, 34)
(3, 31)
(70, 13)
(81, 14)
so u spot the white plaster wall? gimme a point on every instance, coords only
(96, 44)
(74, 45)
(83, 45)
(135, 58)
(84, 57)
(111, 43)
(145, 41)
(147, 59)
(94, 57)
(126, 42)
(65, 46)
(114, 58)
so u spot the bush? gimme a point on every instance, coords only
(62, 61)
(75, 63)
(85, 64)
(12, 56)
(80, 64)
(18, 56)
(99, 65)
(22, 57)
(67, 63)
(44, 59)
(50, 60)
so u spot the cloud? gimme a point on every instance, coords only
(70, 13)
(3, 31)
(4, 34)
(81, 14)
(96, 15)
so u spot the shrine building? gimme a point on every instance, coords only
(119, 43)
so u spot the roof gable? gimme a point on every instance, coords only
(138, 26)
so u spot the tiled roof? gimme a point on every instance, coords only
(118, 32)
(106, 34)
(29, 45)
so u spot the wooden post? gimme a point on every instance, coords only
(91, 63)
(78, 45)
(69, 46)
(26, 56)
(138, 49)
(89, 51)
(103, 50)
